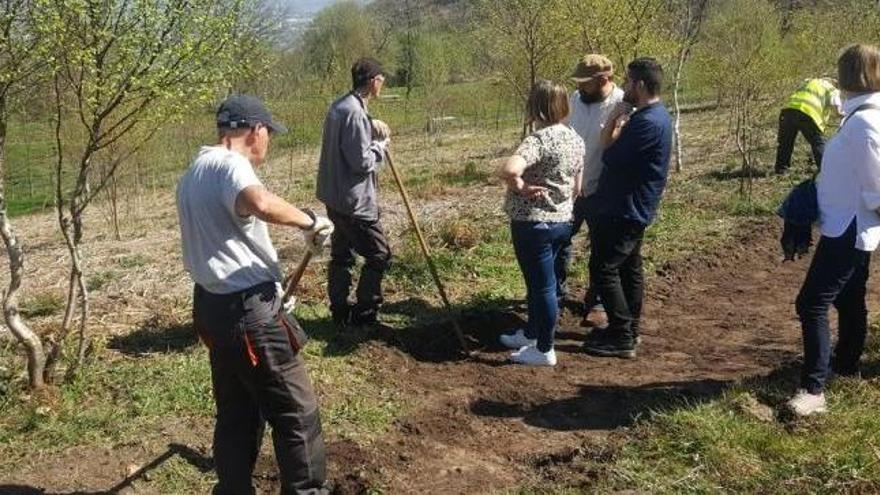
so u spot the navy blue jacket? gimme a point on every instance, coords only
(799, 211)
(636, 166)
(801, 206)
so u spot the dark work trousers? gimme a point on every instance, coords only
(537, 246)
(259, 376)
(791, 122)
(837, 275)
(354, 236)
(580, 216)
(616, 265)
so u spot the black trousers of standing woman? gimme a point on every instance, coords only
(837, 275)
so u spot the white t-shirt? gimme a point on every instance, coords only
(222, 251)
(848, 184)
(588, 120)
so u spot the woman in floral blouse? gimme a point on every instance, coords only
(541, 179)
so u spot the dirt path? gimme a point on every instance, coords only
(483, 425)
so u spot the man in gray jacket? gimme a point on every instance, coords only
(352, 152)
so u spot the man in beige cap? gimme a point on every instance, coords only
(591, 104)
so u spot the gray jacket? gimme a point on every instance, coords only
(350, 160)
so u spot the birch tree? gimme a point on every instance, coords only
(528, 40)
(21, 61)
(744, 57)
(337, 36)
(620, 29)
(688, 16)
(122, 69)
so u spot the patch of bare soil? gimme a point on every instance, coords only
(481, 425)
(484, 425)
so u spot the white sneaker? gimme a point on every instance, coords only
(516, 340)
(805, 404)
(530, 355)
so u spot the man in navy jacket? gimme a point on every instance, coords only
(636, 157)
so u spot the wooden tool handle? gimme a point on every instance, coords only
(292, 280)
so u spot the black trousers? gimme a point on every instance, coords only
(580, 217)
(258, 375)
(353, 236)
(790, 123)
(616, 268)
(838, 275)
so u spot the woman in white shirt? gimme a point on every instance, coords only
(848, 189)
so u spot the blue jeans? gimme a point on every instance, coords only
(537, 246)
(838, 275)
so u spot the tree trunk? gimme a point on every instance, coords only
(77, 291)
(55, 344)
(113, 192)
(70, 307)
(82, 336)
(682, 57)
(36, 357)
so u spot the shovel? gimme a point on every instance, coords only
(424, 246)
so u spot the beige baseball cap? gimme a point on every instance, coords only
(592, 65)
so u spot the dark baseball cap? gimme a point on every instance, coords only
(240, 111)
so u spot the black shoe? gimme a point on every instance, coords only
(846, 372)
(365, 318)
(341, 317)
(611, 347)
(598, 334)
(602, 333)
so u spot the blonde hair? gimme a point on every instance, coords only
(547, 104)
(858, 69)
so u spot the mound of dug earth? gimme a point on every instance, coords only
(484, 425)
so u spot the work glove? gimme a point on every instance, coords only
(289, 305)
(318, 235)
(381, 131)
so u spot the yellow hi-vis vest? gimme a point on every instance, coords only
(815, 98)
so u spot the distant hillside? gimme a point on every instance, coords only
(308, 6)
(444, 10)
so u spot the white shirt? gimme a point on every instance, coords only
(588, 120)
(848, 184)
(222, 251)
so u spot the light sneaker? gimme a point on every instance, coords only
(516, 340)
(805, 404)
(530, 355)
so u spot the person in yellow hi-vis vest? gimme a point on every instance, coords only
(808, 110)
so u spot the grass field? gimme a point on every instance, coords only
(31, 145)
(148, 380)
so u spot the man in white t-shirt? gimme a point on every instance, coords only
(257, 371)
(591, 104)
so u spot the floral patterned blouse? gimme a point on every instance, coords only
(554, 156)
